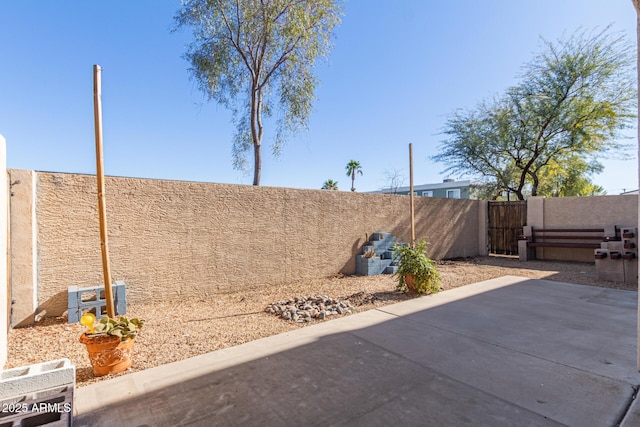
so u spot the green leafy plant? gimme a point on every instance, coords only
(121, 327)
(414, 262)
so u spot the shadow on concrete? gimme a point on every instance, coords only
(526, 353)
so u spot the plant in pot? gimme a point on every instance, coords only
(417, 272)
(110, 342)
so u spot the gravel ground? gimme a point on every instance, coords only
(179, 330)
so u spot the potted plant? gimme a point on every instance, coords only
(417, 272)
(110, 342)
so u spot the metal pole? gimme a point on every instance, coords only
(102, 209)
(411, 197)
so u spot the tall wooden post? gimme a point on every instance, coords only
(102, 209)
(411, 197)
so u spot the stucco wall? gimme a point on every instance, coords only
(23, 244)
(580, 212)
(172, 239)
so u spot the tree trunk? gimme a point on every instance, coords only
(534, 186)
(256, 132)
(353, 180)
(257, 163)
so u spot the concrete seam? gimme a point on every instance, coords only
(625, 411)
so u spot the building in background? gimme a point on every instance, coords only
(449, 188)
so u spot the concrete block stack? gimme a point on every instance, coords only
(377, 256)
(630, 255)
(617, 260)
(609, 265)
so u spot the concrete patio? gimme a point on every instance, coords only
(508, 351)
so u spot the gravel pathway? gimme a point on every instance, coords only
(178, 330)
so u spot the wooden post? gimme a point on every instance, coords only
(411, 198)
(102, 209)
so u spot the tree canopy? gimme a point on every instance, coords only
(253, 56)
(573, 99)
(330, 185)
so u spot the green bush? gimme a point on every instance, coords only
(414, 261)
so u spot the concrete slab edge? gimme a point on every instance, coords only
(94, 396)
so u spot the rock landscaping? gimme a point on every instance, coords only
(307, 309)
(178, 328)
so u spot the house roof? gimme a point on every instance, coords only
(427, 187)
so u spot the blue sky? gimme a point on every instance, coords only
(398, 69)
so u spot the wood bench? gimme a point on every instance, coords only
(572, 238)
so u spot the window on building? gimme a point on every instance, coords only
(427, 194)
(453, 194)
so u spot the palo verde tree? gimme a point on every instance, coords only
(573, 100)
(569, 177)
(252, 56)
(352, 168)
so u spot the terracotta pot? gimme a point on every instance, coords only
(410, 280)
(108, 355)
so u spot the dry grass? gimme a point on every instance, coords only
(179, 330)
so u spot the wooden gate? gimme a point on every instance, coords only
(506, 220)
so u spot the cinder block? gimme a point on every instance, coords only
(381, 244)
(97, 304)
(615, 246)
(370, 266)
(379, 235)
(629, 233)
(47, 408)
(631, 270)
(38, 395)
(525, 253)
(630, 245)
(41, 376)
(389, 254)
(608, 265)
(391, 269)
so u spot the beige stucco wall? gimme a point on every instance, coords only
(173, 239)
(23, 254)
(581, 212)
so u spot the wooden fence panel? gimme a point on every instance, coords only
(506, 220)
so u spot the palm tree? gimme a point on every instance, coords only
(352, 168)
(330, 185)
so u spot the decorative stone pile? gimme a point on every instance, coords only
(307, 309)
